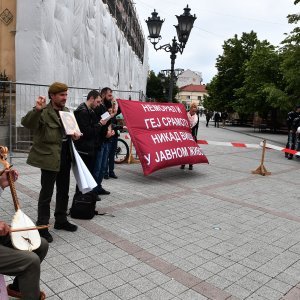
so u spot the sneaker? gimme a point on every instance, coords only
(182, 167)
(102, 191)
(17, 294)
(44, 233)
(113, 175)
(106, 177)
(65, 226)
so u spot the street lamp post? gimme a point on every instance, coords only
(183, 29)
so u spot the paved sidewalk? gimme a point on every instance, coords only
(217, 232)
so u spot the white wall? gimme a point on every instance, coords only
(76, 42)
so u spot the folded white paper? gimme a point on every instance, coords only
(106, 116)
(84, 178)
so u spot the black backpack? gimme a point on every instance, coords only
(84, 206)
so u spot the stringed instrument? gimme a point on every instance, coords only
(24, 234)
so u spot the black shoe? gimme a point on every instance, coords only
(113, 176)
(46, 235)
(106, 177)
(190, 167)
(103, 192)
(65, 226)
(290, 156)
(182, 167)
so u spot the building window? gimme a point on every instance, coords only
(188, 97)
(199, 98)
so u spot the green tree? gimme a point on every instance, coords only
(231, 71)
(154, 88)
(291, 60)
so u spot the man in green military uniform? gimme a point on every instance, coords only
(51, 153)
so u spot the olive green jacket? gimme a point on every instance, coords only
(47, 138)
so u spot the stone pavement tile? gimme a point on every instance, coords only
(64, 248)
(75, 255)
(73, 294)
(128, 274)
(201, 273)
(158, 278)
(269, 293)
(86, 263)
(184, 265)
(197, 260)
(60, 285)
(112, 281)
(50, 274)
(103, 257)
(288, 278)
(80, 278)
(191, 295)
(240, 269)
(158, 293)
(238, 291)
(57, 260)
(53, 298)
(126, 291)
(114, 266)
(98, 272)
(143, 284)
(174, 287)
(249, 284)
(212, 267)
(93, 288)
(210, 291)
(279, 285)
(219, 281)
(269, 271)
(251, 264)
(90, 251)
(157, 250)
(293, 294)
(107, 296)
(129, 260)
(45, 289)
(223, 261)
(259, 277)
(143, 269)
(255, 296)
(67, 269)
(230, 274)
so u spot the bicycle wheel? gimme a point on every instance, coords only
(122, 152)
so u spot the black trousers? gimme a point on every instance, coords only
(62, 181)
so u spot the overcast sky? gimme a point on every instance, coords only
(217, 21)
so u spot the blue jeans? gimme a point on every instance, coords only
(112, 147)
(100, 165)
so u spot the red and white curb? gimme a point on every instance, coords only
(230, 144)
(282, 149)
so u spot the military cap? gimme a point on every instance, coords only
(57, 87)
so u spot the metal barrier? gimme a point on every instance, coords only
(16, 99)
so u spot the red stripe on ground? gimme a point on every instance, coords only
(203, 142)
(289, 151)
(241, 145)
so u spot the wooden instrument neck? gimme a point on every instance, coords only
(13, 191)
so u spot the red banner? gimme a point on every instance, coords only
(161, 134)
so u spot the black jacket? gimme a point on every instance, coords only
(93, 133)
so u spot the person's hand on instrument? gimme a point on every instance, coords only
(4, 229)
(4, 177)
(76, 135)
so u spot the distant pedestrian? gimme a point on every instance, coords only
(292, 115)
(294, 132)
(208, 116)
(193, 120)
(224, 116)
(217, 118)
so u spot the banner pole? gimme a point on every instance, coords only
(261, 170)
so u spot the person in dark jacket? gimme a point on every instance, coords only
(102, 151)
(292, 115)
(93, 131)
(294, 131)
(217, 118)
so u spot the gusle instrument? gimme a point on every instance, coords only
(23, 232)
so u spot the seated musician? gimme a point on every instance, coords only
(24, 265)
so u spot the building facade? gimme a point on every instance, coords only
(189, 77)
(192, 93)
